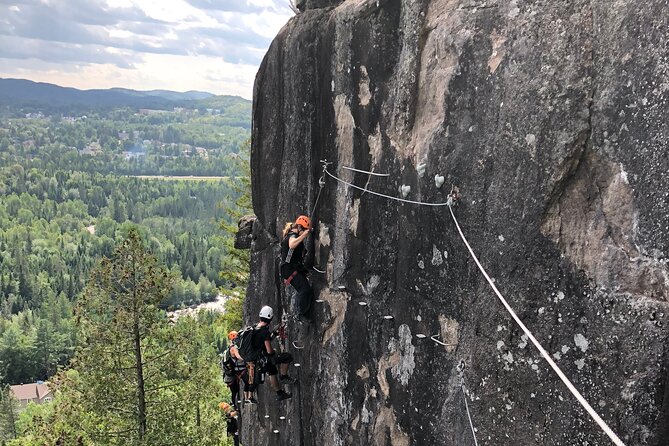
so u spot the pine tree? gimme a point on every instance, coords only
(140, 380)
(8, 414)
(119, 317)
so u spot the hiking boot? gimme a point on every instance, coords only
(286, 379)
(281, 395)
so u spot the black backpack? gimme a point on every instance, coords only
(227, 363)
(244, 343)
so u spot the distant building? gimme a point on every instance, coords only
(123, 136)
(202, 152)
(37, 393)
(92, 149)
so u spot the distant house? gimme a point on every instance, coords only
(202, 152)
(123, 136)
(92, 149)
(37, 393)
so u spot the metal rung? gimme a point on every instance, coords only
(421, 336)
(297, 346)
(388, 317)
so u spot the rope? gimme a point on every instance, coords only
(471, 424)
(321, 185)
(367, 172)
(543, 352)
(602, 424)
(383, 195)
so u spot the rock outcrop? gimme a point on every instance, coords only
(551, 118)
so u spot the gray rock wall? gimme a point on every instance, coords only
(551, 118)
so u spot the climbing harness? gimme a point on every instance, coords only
(290, 278)
(452, 200)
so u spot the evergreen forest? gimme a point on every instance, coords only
(79, 196)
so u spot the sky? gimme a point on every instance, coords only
(206, 45)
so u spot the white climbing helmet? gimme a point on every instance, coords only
(266, 312)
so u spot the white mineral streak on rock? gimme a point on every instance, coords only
(403, 370)
(323, 235)
(437, 259)
(523, 341)
(355, 209)
(375, 143)
(581, 342)
(345, 134)
(337, 301)
(420, 169)
(363, 94)
(450, 332)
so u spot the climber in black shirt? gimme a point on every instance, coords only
(292, 267)
(262, 341)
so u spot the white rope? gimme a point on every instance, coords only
(471, 424)
(383, 195)
(607, 430)
(367, 172)
(543, 352)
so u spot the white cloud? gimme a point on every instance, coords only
(211, 45)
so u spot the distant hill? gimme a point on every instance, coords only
(40, 95)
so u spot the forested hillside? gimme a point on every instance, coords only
(69, 194)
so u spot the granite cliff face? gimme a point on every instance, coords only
(551, 118)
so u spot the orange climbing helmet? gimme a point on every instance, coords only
(303, 221)
(232, 335)
(224, 406)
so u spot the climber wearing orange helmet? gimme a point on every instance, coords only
(292, 268)
(233, 368)
(231, 422)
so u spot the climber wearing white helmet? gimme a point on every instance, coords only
(269, 358)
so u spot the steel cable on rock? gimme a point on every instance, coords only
(469, 416)
(600, 422)
(383, 195)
